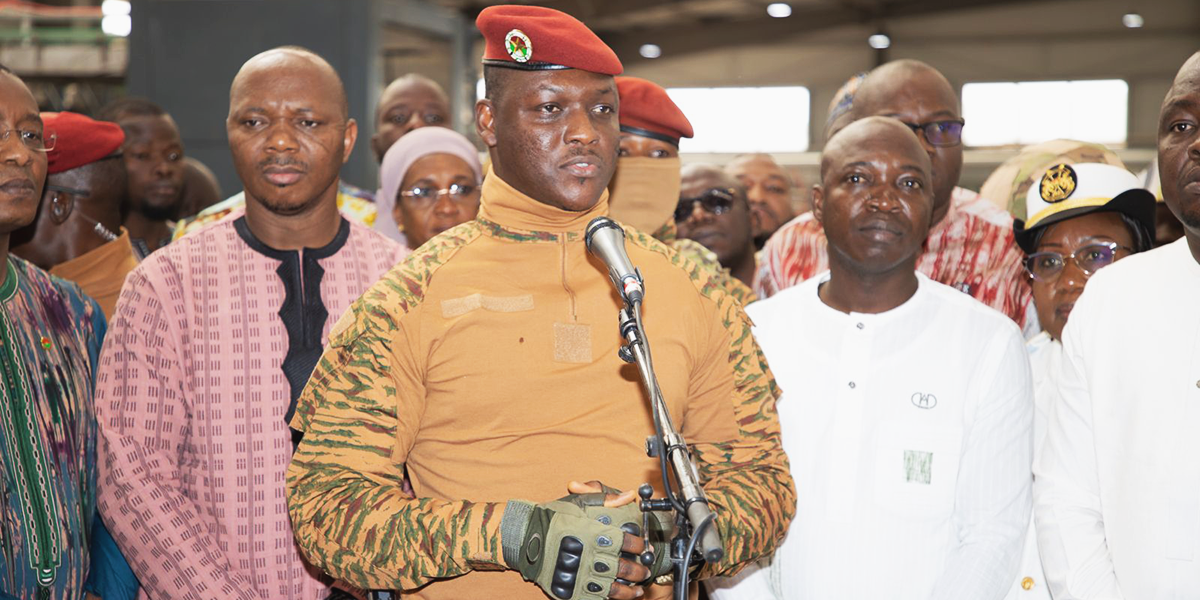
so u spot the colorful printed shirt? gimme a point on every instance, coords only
(354, 203)
(50, 336)
(487, 365)
(971, 249)
(213, 339)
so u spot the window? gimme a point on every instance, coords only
(1031, 112)
(736, 120)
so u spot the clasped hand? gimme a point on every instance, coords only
(584, 546)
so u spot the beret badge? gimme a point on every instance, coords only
(518, 45)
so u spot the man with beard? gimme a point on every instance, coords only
(970, 246)
(153, 155)
(408, 103)
(213, 340)
(907, 410)
(713, 211)
(1118, 480)
(487, 365)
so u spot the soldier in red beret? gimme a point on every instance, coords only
(77, 234)
(487, 364)
(645, 190)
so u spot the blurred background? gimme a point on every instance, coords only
(751, 75)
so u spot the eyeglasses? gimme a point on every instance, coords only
(940, 133)
(33, 139)
(715, 201)
(1047, 266)
(425, 195)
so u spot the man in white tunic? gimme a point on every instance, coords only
(1118, 481)
(906, 407)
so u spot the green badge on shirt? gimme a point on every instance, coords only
(918, 466)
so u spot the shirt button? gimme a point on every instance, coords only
(861, 326)
(851, 385)
(1198, 384)
(1027, 584)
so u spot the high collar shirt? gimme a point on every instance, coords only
(50, 335)
(487, 365)
(1118, 482)
(909, 437)
(971, 250)
(208, 349)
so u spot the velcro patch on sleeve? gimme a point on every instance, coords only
(342, 325)
(457, 307)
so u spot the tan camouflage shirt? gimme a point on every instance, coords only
(487, 364)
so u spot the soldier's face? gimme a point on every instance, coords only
(554, 135)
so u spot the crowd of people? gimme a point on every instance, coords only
(308, 390)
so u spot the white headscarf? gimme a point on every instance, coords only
(414, 146)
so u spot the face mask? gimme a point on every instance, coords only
(644, 192)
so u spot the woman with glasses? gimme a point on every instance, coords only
(431, 180)
(1081, 218)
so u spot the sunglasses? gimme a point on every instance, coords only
(1047, 266)
(940, 133)
(715, 201)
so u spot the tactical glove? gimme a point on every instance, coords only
(570, 547)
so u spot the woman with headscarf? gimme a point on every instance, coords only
(431, 180)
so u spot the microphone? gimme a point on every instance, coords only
(606, 241)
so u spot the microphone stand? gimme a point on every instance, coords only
(695, 528)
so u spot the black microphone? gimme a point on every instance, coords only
(606, 240)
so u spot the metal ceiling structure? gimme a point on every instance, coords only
(682, 26)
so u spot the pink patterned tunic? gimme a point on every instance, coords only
(213, 338)
(971, 250)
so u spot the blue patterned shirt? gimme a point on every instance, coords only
(50, 336)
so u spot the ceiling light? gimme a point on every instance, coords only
(1133, 20)
(650, 51)
(116, 25)
(779, 10)
(879, 41)
(114, 7)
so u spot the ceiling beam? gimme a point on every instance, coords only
(681, 39)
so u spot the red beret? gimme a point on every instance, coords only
(80, 140)
(535, 38)
(648, 111)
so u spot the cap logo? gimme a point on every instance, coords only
(1058, 183)
(518, 45)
